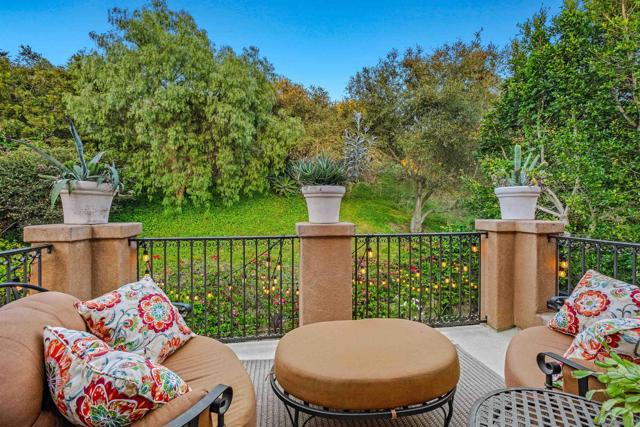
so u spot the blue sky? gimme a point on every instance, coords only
(320, 43)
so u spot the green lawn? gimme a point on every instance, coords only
(373, 208)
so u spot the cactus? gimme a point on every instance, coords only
(522, 173)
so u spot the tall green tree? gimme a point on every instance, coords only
(573, 89)
(31, 97)
(426, 109)
(190, 122)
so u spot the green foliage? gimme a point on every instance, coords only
(622, 381)
(190, 122)
(323, 119)
(571, 89)
(24, 197)
(31, 97)
(284, 185)
(319, 170)
(70, 173)
(425, 110)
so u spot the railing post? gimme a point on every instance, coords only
(518, 271)
(325, 271)
(86, 260)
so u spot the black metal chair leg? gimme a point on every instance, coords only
(447, 419)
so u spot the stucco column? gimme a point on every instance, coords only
(518, 271)
(112, 256)
(86, 261)
(67, 268)
(325, 271)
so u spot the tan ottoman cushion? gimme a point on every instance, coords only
(366, 364)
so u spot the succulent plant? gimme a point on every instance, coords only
(523, 173)
(319, 170)
(69, 174)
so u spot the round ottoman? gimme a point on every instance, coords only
(365, 369)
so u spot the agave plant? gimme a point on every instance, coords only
(523, 173)
(319, 170)
(69, 174)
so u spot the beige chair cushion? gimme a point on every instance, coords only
(521, 368)
(366, 364)
(22, 377)
(204, 363)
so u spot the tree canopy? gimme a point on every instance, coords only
(189, 121)
(573, 89)
(425, 109)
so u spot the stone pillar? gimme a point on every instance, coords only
(67, 268)
(518, 271)
(325, 271)
(112, 256)
(86, 260)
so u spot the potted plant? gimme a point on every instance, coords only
(322, 180)
(519, 192)
(86, 188)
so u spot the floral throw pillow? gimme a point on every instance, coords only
(93, 385)
(139, 318)
(596, 297)
(599, 339)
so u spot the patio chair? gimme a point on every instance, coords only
(211, 369)
(534, 358)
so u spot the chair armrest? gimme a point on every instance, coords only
(551, 368)
(183, 308)
(217, 401)
(556, 302)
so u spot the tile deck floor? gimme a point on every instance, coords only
(482, 342)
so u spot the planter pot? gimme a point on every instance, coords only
(323, 203)
(88, 203)
(518, 202)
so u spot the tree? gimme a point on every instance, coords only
(31, 97)
(190, 122)
(425, 110)
(322, 119)
(573, 89)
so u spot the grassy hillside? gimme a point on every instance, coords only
(374, 209)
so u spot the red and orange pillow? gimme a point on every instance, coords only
(139, 318)
(93, 385)
(596, 297)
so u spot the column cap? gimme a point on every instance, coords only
(339, 229)
(49, 233)
(520, 226)
(116, 230)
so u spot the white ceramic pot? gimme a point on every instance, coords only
(323, 203)
(88, 203)
(518, 202)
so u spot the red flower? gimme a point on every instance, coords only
(565, 320)
(99, 329)
(57, 363)
(89, 347)
(635, 297)
(169, 347)
(591, 303)
(101, 404)
(106, 301)
(156, 312)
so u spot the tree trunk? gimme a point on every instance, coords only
(417, 218)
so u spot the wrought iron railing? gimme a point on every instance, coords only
(240, 288)
(576, 255)
(19, 267)
(428, 277)
(244, 288)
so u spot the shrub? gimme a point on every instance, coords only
(24, 196)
